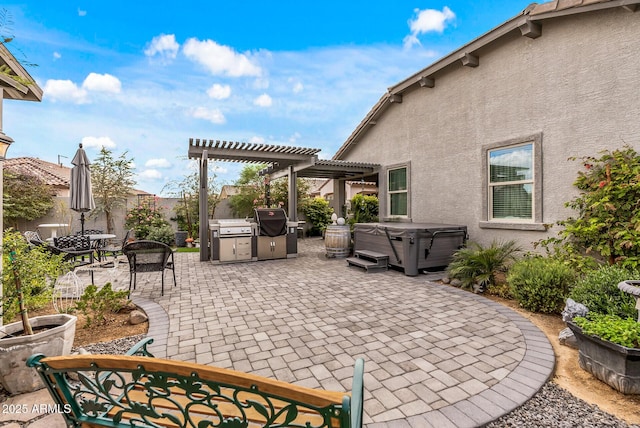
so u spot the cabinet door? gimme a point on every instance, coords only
(227, 249)
(243, 248)
(279, 247)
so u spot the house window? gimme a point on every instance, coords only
(398, 191)
(513, 184)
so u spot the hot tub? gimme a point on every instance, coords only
(411, 246)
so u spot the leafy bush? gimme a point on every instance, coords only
(164, 234)
(318, 213)
(364, 209)
(145, 217)
(29, 270)
(625, 332)
(477, 265)
(540, 284)
(95, 304)
(607, 206)
(598, 291)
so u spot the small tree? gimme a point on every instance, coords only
(251, 187)
(27, 278)
(188, 191)
(111, 181)
(26, 197)
(608, 220)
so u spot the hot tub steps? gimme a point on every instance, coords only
(369, 260)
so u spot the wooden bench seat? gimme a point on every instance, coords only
(138, 390)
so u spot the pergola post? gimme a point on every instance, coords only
(204, 207)
(339, 197)
(293, 195)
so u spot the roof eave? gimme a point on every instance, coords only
(526, 22)
(14, 89)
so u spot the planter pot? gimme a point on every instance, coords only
(57, 340)
(181, 236)
(615, 365)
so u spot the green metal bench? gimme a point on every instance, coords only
(139, 390)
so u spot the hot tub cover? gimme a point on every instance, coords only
(271, 221)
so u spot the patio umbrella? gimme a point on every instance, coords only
(80, 185)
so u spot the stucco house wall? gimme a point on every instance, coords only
(574, 89)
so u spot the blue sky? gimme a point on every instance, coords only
(143, 77)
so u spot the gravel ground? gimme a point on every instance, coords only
(551, 407)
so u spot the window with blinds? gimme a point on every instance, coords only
(511, 182)
(398, 192)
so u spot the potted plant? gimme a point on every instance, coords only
(609, 349)
(27, 278)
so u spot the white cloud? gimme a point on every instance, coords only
(65, 90)
(98, 142)
(56, 55)
(164, 45)
(295, 137)
(426, 21)
(152, 174)
(213, 116)
(82, 12)
(297, 87)
(219, 92)
(157, 163)
(102, 83)
(219, 169)
(219, 59)
(256, 140)
(263, 100)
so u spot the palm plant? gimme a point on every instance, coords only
(477, 266)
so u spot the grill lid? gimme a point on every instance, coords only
(271, 221)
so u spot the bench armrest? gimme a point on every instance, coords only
(140, 348)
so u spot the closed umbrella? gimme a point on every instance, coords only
(80, 185)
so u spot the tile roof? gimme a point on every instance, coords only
(52, 174)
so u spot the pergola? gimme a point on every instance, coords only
(281, 161)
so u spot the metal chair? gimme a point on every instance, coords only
(75, 249)
(114, 247)
(148, 256)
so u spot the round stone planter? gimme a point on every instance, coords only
(615, 365)
(57, 340)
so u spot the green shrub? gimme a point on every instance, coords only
(364, 209)
(598, 291)
(625, 332)
(95, 304)
(318, 213)
(163, 234)
(477, 265)
(540, 284)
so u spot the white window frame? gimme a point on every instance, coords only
(533, 223)
(407, 168)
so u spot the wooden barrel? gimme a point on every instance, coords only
(337, 240)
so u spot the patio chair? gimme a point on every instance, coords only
(76, 249)
(148, 256)
(114, 247)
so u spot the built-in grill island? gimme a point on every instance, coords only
(232, 240)
(277, 236)
(269, 236)
(411, 246)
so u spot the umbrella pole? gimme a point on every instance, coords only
(82, 223)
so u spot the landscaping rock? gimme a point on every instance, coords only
(573, 309)
(137, 317)
(567, 338)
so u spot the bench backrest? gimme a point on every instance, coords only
(124, 391)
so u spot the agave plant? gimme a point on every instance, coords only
(476, 265)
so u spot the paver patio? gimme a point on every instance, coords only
(434, 355)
